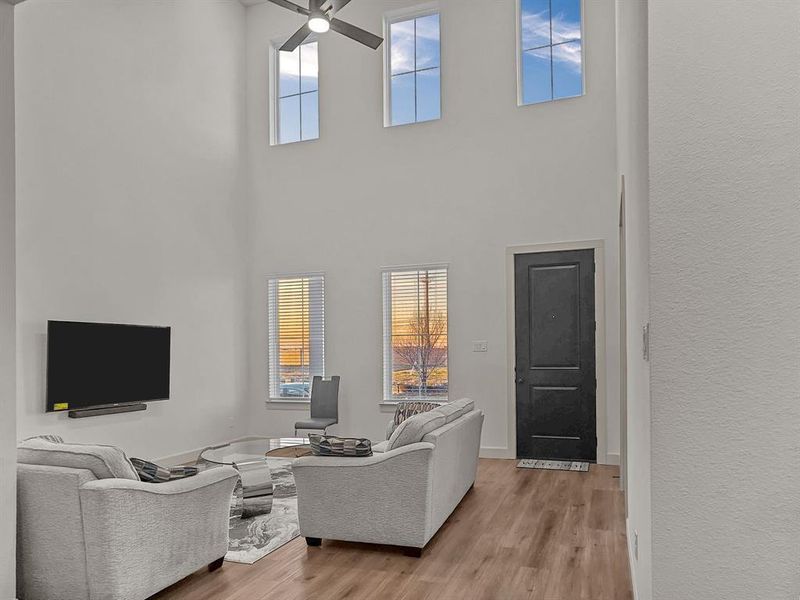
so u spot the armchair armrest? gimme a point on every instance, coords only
(142, 537)
(381, 499)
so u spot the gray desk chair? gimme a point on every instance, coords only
(324, 405)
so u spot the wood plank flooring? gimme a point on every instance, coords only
(518, 534)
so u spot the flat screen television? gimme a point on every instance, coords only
(92, 365)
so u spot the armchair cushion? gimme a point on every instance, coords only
(105, 462)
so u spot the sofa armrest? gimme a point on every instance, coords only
(142, 537)
(380, 499)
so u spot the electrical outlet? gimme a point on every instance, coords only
(635, 545)
(480, 346)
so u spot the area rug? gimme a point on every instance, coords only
(553, 465)
(252, 539)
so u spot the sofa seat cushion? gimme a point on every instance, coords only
(415, 428)
(105, 462)
(380, 447)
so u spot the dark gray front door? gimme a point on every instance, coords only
(555, 355)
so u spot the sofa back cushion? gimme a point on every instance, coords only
(455, 409)
(413, 429)
(105, 462)
(408, 408)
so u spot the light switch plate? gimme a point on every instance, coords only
(481, 346)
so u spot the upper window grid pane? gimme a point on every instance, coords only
(298, 78)
(409, 55)
(555, 25)
(414, 46)
(543, 29)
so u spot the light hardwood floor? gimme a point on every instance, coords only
(518, 534)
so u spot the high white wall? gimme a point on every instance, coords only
(8, 408)
(460, 190)
(130, 203)
(632, 156)
(725, 301)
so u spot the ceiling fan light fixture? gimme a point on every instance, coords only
(319, 23)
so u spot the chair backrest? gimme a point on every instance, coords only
(325, 398)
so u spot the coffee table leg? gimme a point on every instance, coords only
(257, 488)
(237, 501)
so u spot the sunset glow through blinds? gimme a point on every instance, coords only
(415, 334)
(296, 334)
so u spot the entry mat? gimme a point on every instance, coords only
(553, 465)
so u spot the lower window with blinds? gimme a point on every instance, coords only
(415, 334)
(296, 308)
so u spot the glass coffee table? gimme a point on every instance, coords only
(254, 491)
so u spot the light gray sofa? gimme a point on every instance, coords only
(88, 529)
(402, 494)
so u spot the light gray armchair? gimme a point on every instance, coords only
(85, 537)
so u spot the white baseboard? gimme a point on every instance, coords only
(496, 452)
(631, 559)
(612, 458)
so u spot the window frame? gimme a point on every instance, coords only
(274, 90)
(387, 398)
(271, 311)
(520, 78)
(395, 16)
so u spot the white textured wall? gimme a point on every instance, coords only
(459, 190)
(632, 153)
(725, 261)
(8, 470)
(129, 163)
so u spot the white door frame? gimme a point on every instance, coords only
(600, 339)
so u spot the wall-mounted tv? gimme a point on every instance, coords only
(92, 365)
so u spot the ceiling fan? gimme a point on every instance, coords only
(320, 19)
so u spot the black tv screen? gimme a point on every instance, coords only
(101, 364)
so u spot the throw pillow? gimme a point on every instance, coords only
(53, 439)
(329, 445)
(153, 473)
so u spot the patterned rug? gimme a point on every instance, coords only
(553, 465)
(252, 539)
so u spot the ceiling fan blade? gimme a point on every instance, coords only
(292, 6)
(356, 33)
(336, 5)
(298, 38)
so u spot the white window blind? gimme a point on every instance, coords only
(415, 361)
(296, 307)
